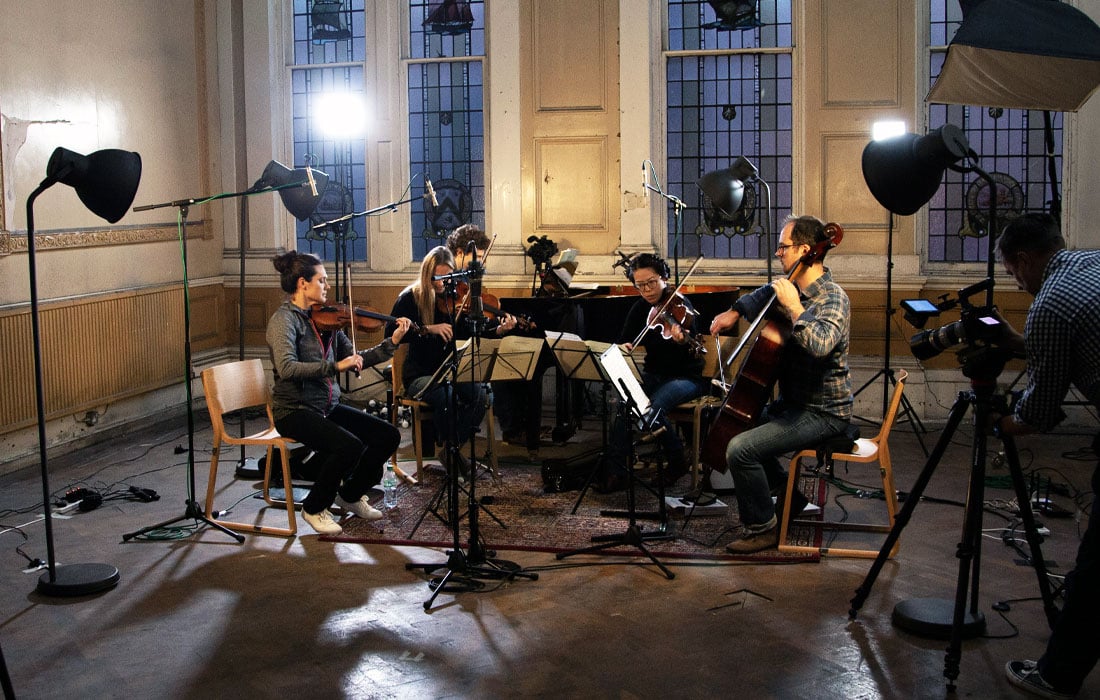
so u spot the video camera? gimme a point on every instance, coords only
(979, 327)
(541, 251)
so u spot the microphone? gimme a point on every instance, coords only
(312, 182)
(476, 309)
(645, 181)
(429, 192)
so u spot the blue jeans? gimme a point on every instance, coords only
(1074, 646)
(665, 393)
(471, 405)
(352, 445)
(752, 456)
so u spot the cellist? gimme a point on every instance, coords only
(815, 390)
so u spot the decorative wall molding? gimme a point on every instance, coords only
(16, 242)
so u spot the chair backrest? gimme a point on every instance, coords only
(711, 359)
(232, 386)
(397, 366)
(892, 410)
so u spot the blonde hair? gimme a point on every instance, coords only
(422, 289)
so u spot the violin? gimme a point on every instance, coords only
(334, 317)
(676, 311)
(490, 306)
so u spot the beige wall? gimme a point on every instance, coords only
(199, 90)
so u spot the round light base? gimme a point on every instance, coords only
(74, 580)
(934, 618)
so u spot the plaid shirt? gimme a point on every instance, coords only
(1063, 338)
(814, 373)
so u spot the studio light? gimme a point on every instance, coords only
(724, 195)
(733, 15)
(106, 182)
(340, 115)
(300, 188)
(904, 172)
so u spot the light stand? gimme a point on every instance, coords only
(295, 187)
(903, 173)
(887, 371)
(106, 182)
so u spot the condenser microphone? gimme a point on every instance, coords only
(430, 192)
(312, 182)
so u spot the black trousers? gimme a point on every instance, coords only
(352, 448)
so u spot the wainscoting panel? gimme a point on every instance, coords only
(94, 352)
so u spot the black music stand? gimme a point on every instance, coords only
(633, 408)
(579, 359)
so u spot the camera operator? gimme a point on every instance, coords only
(1062, 341)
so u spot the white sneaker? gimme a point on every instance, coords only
(322, 522)
(362, 508)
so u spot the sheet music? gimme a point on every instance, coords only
(618, 371)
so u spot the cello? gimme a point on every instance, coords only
(752, 388)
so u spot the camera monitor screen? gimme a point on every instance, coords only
(919, 306)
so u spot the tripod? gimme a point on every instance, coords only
(906, 408)
(463, 569)
(633, 535)
(932, 617)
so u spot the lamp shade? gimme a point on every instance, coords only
(723, 194)
(106, 181)
(904, 172)
(294, 186)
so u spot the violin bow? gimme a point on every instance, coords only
(664, 305)
(347, 281)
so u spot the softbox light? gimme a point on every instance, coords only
(723, 194)
(300, 188)
(904, 172)
(1021, 54)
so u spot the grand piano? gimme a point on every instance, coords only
(594, 315)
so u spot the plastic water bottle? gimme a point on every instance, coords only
(389, 487)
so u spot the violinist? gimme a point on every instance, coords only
(518, 403)
(353, 446)
(424, 302)
(672, 374)
(815, 389)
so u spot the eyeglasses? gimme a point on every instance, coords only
(783, 246)
(648, 284)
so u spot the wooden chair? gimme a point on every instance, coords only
(231, 387)
(692, 411)
(866, 450)
(422, 411)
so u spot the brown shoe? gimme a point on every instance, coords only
(755, 541)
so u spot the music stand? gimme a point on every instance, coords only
(634, 407)
(578, 359)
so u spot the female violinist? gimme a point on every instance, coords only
(518, 405)
(673, 371)
(352, 446)
(421, 302)
(815, 389)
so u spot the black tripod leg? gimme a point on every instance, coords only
(5, 679)
(968, 550)
(191, 512)
(958, 410)
(1031, 530)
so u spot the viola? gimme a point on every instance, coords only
(676, 311)
(752, 388)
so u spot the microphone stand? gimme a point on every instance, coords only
(677, 218)
(192, 510)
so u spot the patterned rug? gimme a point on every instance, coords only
(518, 514)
